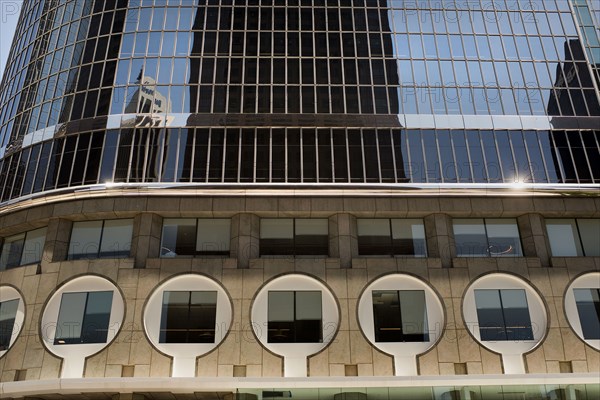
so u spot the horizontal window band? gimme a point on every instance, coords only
(407, 121)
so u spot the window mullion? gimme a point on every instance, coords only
(189, 312)
(391, 238)
(503, 315)
(487, 241)
(295, 320)
(100, 239)
(579, 237)
(294, 250)
(402, 339)
(87, 298)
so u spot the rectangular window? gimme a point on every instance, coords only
(83, 318)
(195, 237)
(497, 237)
(295, 317)
(100, 239)
(188, 317)
(287, 236)
(503, 314)
(574, 237)
(404, 237)
(400, 316)
(588, 307)
(8, 314)
(23, 249)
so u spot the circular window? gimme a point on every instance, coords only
(582, 302)
(401, 316)
(12, 315)
(186, 317)
(506, 315)
(81, 318)
(295, 316)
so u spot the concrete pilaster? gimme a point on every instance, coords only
(343, 239)
(532, 228)
(245, 238)
(58, 234)
(440, 238)
(145, 243)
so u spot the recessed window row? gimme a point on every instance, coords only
(186, 237)
(294, 314)
(262, 155)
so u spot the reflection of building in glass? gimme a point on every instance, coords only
(148, 100)
(317, 197)
(575, 153)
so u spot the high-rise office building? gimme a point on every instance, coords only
(309, 199)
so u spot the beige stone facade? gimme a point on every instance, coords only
(347, 274)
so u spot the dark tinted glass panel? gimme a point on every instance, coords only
(374, 237)
(188, 317)
(490, 316)
(12, 251)
(276, 237)
(588, 308)
(84, 318)
(8, 313)
(294, 237)
(516, 315)
(178, 237)
(400, 316)
(503, 315)
(497, 237)
(295, 317)
(311, 237)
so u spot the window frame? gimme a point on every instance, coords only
(90, 256)
(391, 247)
(503, 327)
(589, 280)
(62, 341)
(22, 251)
(295, 355)
(579, 242)
(295, 247)
(184, 354)
(404, 337)
(219, 253)
(163, 333)
(295, 322)
(487, 238)
(10, 293)
(512, 352)
(596, 305)
(74, 356)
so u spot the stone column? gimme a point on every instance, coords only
(245, 238)
(532, 229)
(145, 243)
(343, 239)
(440, 238)
(58, 235)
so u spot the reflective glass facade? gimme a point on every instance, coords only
(355, 92)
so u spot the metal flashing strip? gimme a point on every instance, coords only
(202, 384)
(347, 190)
